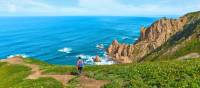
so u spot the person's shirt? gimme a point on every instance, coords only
(80, 63)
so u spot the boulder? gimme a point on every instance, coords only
(97, 59)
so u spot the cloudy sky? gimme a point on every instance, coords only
(97, 7)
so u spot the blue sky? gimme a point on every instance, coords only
(97, 7)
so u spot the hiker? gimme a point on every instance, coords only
(80, 65)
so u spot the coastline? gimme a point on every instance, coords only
(58, 41)
(88, 60)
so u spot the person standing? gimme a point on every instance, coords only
(80, 65)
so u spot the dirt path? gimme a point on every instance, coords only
(189, 56)
(85, 82)
(37, 73)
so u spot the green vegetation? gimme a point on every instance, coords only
(73, 83)
(139, 75)
(184, 48)
(193, 15)
(10, 75)
(40, 83)
(149, 74)
(14, 76)
(189, 47)
(49, 68)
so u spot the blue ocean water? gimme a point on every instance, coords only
(59, 40)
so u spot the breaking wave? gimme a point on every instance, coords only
(88, 60)
(21, 55)
(65, 50)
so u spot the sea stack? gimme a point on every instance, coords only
(97, 59)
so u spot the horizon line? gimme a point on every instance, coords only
(158, 16)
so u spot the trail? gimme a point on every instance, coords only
(189, 56)
(85, 82)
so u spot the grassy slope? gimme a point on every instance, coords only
(150, 74)
(13, 76)
(140, 75)
(49, 68)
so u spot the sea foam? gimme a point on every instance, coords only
(88, 60)
(125, 37)
(21, 55)
(65, 50)
(135, 39)
(100, 46)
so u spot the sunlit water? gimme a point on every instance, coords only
(59, 40)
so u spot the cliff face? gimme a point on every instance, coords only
(150, 39)
(183, 45)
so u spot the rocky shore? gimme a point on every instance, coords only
(150, 39)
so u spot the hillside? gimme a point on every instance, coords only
(165, 37)
(18, 72)
(140, 75)
(183, 45)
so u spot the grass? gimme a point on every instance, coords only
(149, 74)
(40, 83)
(49, 68)
(158, 74)
(10, 75)
(192, 46)
(193, 15)
(73, 83)
(14, 76)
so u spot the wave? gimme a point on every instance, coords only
(88, 60)
(21, 55)
(125, 38)
(105, 60)
(100, 46)
(135, 39)
(65, 50)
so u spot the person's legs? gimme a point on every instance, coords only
(80, 70)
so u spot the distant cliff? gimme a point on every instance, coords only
(151, 39)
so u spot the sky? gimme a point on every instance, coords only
(97, 7)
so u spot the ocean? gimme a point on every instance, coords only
(60, 40)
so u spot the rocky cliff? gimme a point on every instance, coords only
(185, 44)
(150, 39)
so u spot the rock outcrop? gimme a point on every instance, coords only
(97, 59)
(150, 39)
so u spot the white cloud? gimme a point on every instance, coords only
(12, 8)
(39, 4)
(73, 10)
(98, 3)
(94, 7)
(113, 7)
